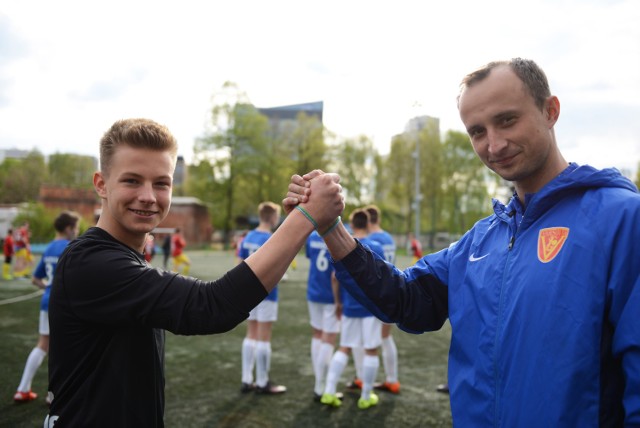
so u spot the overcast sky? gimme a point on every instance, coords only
(69, 69)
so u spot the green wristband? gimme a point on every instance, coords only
(308, 216)
(331, 228)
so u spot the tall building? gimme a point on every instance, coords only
(418, 123)
(290, 112)
(13, 154)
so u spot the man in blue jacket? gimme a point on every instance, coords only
(543, 296)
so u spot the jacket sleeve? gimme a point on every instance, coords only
(416, 302)
(624, 305)
(123, 291)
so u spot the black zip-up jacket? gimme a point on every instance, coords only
(107, 314)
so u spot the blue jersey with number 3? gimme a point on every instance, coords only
(250, 245)
(47, 267)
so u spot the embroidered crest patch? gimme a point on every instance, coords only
(550, 242)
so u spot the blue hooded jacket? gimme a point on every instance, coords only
(544, 305)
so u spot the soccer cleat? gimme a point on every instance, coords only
(331, 400)
(365, 404)
(271, 389)
(247, 387)
(393, 388)
(356, 383)
(23, 397)
(318, 397)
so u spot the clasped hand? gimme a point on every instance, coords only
(319, 193)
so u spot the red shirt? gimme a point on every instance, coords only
(177, 244)
(8, 246)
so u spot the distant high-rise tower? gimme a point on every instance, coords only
(290, 112)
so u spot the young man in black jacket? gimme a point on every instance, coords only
(109, 308)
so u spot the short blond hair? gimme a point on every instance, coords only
(136, 133)
(268, 209)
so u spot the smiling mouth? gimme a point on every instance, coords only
(503, 161)
(144, 213)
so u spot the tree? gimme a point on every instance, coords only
(240, 152)
(41, 220)
(21, 178)
(71, 170)
(356, 159)
(465, 188)
(309, 150)
(399, 178)
(431, 176)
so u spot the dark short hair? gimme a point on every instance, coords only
(359, 218)
(66, 219)
(532, 76)
(374, 213)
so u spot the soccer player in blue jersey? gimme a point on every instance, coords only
(389, 349)
(66, 226)
(256, 346)
(359, 329)
(322, 310)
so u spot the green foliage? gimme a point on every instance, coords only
(431, 177)
(244, 159)
(638, 176)
(21, 178)
(306, 145)
(465, 186)
(41, 221)
(453, 183)
(70, 170)
(355, 159)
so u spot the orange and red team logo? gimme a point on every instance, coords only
(550, 242)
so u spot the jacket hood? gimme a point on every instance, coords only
(574, 178)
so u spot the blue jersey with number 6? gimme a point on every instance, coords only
(319, 282)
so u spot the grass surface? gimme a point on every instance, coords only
(203, 372)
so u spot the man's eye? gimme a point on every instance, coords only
(508, 120)
(475, 133)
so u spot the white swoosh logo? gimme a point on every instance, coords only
(473, 258)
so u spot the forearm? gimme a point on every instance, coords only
(38, 283)
(273, 258)
(339, 242)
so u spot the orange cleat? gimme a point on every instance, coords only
(24, 397)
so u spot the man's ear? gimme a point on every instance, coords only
(552, 110)
(99, 184)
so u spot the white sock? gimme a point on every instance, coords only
(248, 360)
(336, 367)
(33, 363)
(358, 356)
(263, 363)
(322, 364)
(370, 366)
(390, 359)
(315, 348)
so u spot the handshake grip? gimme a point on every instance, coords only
(325, 202)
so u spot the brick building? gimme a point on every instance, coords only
(84, 201)
(192, 217)
(187, 213)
